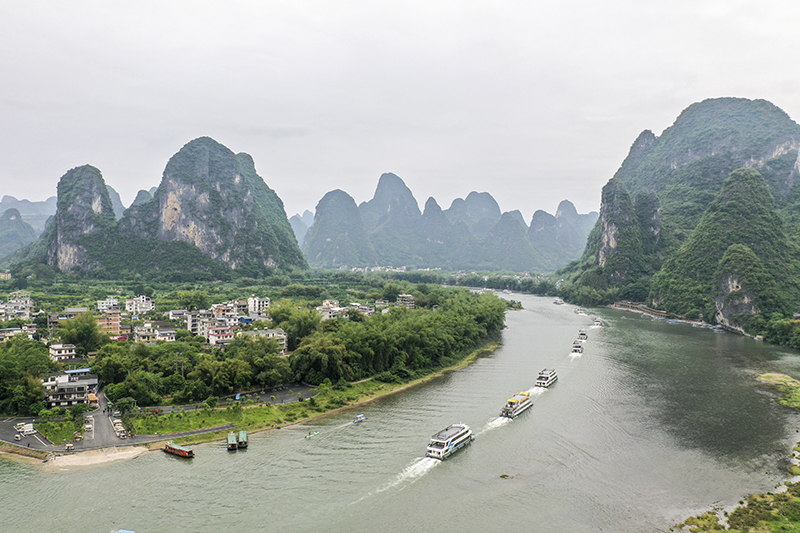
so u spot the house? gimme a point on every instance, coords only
(139, 305)
(331, 303)
(166, 335)
(149, 332)
(110, 322)
(381, 303)
(257, 306)
(277, 334)
(19, 305)
(178, 314)
(406, 300)
(71, 387)
(220, 335)
(60, 352)
(105, 305)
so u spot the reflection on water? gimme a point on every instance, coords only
(652, 423)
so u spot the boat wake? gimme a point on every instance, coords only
(494, 423)
(574, 355)
(537, 391)
(415, 470)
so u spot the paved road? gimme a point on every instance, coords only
(102, 434)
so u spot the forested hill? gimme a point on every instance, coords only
(678, 220)
(212, 215)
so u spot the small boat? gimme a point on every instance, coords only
(517, 404)
(597, 321)
(233, 444)
(546, 378)
(449, 440)
(582, 336)
(180, 451)
(242, 439)
(558, 301)
(359, 418)
(312, 434)
(580, 311)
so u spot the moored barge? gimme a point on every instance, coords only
(232, 442)
(180, 451)
(242, 439)
(449, 440)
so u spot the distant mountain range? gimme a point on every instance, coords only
(473, 233)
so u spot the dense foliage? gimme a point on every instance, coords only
(22, 363)
(402, 343)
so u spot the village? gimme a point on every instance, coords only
(121, 320)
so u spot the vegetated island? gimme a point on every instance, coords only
(770, 512)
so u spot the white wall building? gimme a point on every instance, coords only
(139, 305)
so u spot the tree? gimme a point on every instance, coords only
(82, 331)
(193, 300)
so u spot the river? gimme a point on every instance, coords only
(654, 422)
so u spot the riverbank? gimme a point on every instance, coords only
(94, 457)
(263, 418)
(325, 403)
(771, 512)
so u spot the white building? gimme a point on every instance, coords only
(59, 352)
(257, 306)
(104, 305)
(139, 305)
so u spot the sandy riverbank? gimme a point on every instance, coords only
(94, 457)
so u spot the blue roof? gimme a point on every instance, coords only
(78, 371)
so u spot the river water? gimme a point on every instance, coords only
(654, 422)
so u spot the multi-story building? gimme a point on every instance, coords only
(110, 322)
(258, 306)
(60, 352)
(105, 305)
(139, 305)
(219, 335)
(72, 387)
(277, 334)
(19, 305)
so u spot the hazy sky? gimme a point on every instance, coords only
(533, 102)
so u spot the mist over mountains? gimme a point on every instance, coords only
(473, 233)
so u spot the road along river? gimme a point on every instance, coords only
(652, 423)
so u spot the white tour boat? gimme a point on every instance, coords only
(447, 441)
(558, 301)
(582, 336)
(577, 347)
(516, 405)
(598, 321)
(546, 378)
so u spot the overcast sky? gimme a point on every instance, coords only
(533, 102)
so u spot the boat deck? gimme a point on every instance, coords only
(447, 433)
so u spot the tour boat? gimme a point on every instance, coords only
(449, 440)
(359, 418)
(577, 348)
(582, 336)
(516, 405)
(180, 451)
(233, 444)
(598, 321)
(558, 301)
(546, 378)
(242, 439)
